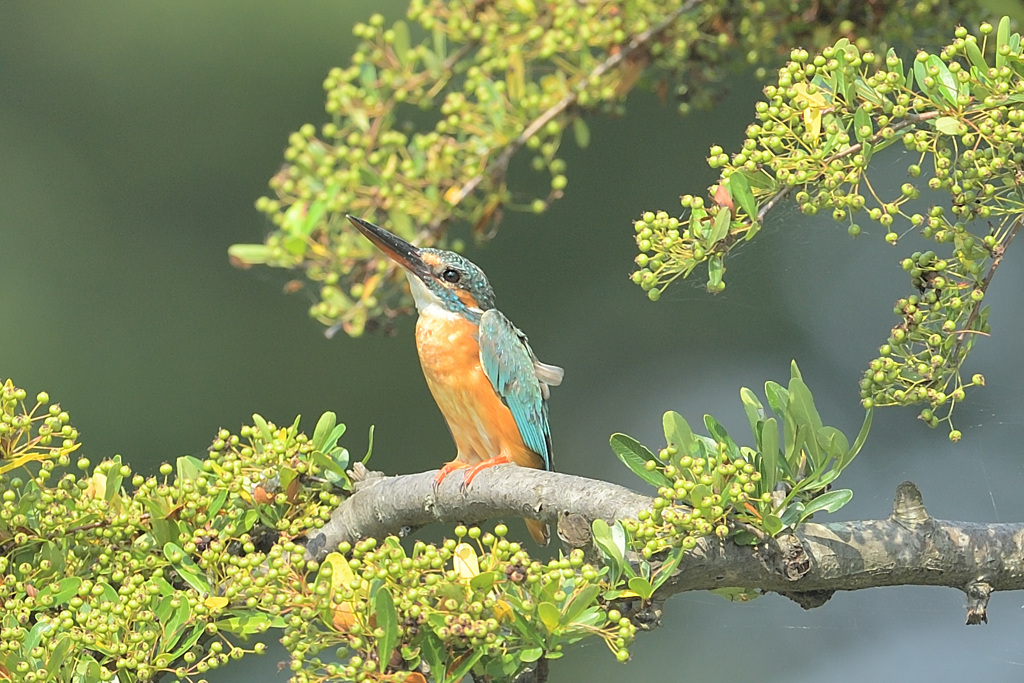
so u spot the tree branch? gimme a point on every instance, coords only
(907, 548)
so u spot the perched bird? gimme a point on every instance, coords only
(489, 386)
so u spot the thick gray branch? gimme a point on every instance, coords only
(907, 548)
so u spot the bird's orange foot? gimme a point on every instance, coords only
(447, 469)
(477, 469)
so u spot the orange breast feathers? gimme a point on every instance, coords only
(480, 422)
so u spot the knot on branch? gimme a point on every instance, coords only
(978, 593)
(908, 507)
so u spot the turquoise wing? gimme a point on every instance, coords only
(516, 376)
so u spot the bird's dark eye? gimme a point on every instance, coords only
(450, 275)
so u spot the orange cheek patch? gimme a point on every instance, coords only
(466, 298)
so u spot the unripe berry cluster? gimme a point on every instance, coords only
(821, 124)
(471, 596)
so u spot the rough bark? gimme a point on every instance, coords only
(907, 548)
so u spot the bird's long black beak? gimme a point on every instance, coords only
(400, 251)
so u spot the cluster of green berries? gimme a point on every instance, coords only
(707, 495)
(501, 75)
(42, 432)
(816, 134)
(102, 580)
(925, 350)
(476, 593)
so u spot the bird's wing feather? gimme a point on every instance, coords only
(519, 379)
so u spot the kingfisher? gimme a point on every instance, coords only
(480, 369)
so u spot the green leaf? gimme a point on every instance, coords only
(250, 254)
(829, 502)
(605, 541)
(434, 652)
(324, 426)
(369, 446)
(898, 69)
(949, 125)
(387, 620)
(737, 594)
(753, 408)
(1002, 39)
(641, 587)
(739, 190)
(666, 570)
(770, 453)
(678, 432)
(720, 228)
(401, 43)
(580, 602)
(484, 581)
(920, 72)
(530, 654)
(862, 120)
(778, 397)
(57, 656)
(772, 524)
(633, 455)
(186, 568)
(974, 56)
(581, 132)
(862, 437)
(549, 615)
(59, 591)
(801, 408)
(718, 433)
(947, 81)
(467, 662)
(716, 269)
(264, 428)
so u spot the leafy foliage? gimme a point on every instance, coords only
(99, 581)
(427, 117)
(959, 111)
(710, 485)
(172, 577)
(476, 603)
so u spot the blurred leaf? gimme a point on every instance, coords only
(949, 125)
(530, 654)
(401, 42)
(249, 254)
(634, 455)
(772, 524)
(737, 594)
(581, 132)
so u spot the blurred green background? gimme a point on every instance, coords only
(134, 138)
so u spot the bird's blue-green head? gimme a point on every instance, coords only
(436, 277)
